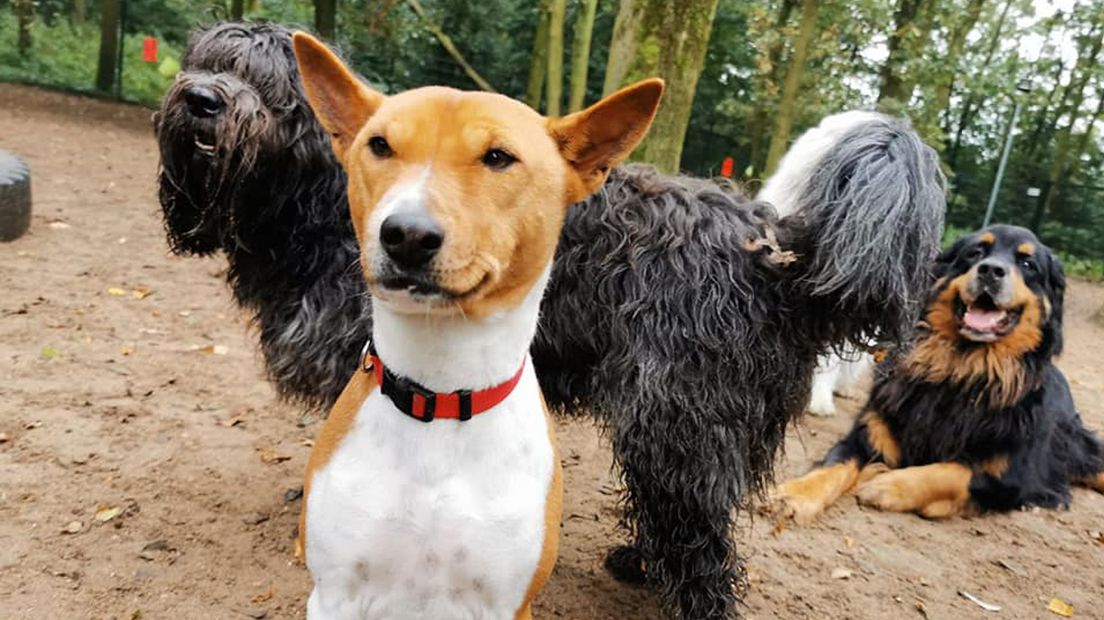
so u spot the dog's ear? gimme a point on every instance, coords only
(339, 99)
(947, 257)
(600, 137)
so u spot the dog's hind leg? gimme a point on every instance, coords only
(683, 481)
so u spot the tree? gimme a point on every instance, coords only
(237, 9)
(24, 15)
(783, 119)
(538, 63)
(580, 54)
(554, 100)
(969, 108)
(325, 18)
(912, 24)
(956, 42)
(1086, 65)
(109, 44)
(669, 40)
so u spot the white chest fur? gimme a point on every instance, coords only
(438, 521)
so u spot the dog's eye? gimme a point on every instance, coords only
(1027, 264)
(498, 159)
(379, 147)
(976, 253)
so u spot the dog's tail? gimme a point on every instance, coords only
(862, 201)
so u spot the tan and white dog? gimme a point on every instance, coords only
(434, 489)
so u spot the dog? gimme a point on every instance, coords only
(837, 372)
(974, 415)
(682, 317)
(457, 199)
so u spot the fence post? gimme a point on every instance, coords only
(122, 45)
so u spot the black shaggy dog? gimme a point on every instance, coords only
(974, 415)
(684, 318)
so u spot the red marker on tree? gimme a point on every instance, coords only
(149, 49)
(726, 167)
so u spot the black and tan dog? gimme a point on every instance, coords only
(974, 415)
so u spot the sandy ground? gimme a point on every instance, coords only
(145, 466)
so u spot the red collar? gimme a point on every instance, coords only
(424, 405)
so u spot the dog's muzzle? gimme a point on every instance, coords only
(986, 311)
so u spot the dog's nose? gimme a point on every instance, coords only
(202, 102)
(411, 239)
(992, 270)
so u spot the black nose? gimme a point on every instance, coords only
(411, 239)
(992, 270)
(202, 102)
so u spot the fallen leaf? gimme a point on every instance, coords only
(106, 513)
(848, 541)
(126, 350)
(73, 527)
(185, 313)
(270, 457)
(116, 291)
(260, 598)
(59, 225)
(841, 573)
(49, 352)
(232, 422)
(5, 438)
(1097, 535)
(306, 441)
(1060, 607)
(977, 601)
(32, 425)
(215, 349)
(141, 292)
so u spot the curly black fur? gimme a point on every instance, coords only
(675, 313)
(970, 419)
(272, 198)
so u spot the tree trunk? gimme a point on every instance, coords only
(668, 40)
(1086, 63)
(237, 9)
(1086, 138)
(783, 118)
(24, 15)
(325, 18)
(580, 54)
(80, 12)
(968, 109)
(555, 57)
(622, 48)
(538, 62)
(955, 44)
(758, 119)
(110, 13)
(892, 79)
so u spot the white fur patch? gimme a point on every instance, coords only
(444, 520)
(788, 181)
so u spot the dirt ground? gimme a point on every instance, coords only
(145, 465)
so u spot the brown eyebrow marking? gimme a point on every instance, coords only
(987, 237)
(1026, 248)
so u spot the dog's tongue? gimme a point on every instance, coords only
(981, 320)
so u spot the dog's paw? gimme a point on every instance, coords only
(788, 504)
(626, 564)
(822, 408)
(890, 491)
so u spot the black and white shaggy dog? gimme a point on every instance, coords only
(685, 319)
(973, 415)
